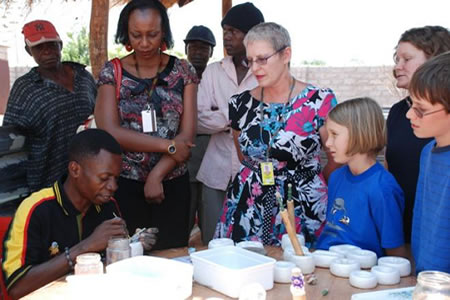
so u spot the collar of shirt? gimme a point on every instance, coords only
(36, 76)
(229, 68)
(64, 201)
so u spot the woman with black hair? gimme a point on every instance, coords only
(153, 118)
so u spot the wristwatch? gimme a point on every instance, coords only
(172, 149)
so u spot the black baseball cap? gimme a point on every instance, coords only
(200, 33)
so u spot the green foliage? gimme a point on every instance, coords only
(118, 51)
(77, 49)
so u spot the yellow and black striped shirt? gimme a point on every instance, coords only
(43, 225)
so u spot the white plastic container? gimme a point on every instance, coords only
(343, 249)
(363, 279)
(342, 267)
(286, 242)
(228, 269)
(160, 276)
(222, 242)
(283, 271)
(400, 263)
(386, 275)
(366, 258)
(304, 262)
(323, 258)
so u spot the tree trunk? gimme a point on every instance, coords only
(98, 35)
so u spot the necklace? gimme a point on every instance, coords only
(155, 79)
(261, 111)
(136, 65)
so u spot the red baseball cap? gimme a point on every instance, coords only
(38, 32)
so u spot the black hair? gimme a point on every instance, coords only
(122, 27)
(89, 143)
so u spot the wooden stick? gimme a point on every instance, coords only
(290, 209)
(290, 230)
(290, 206)
(291, 233)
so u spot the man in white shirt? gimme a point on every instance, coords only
(200, 43)
(220, 81)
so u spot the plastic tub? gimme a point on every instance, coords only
(228, 269)
(159, 276)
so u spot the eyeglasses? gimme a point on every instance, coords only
(261, 61)
(419, 113)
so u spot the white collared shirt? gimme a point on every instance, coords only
(219, 82)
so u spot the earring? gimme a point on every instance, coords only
(128, 47)
(163, 46)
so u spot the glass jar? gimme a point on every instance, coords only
(432, 285)
(118, 249)
(88, 263)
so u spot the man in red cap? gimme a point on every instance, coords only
(48, 104)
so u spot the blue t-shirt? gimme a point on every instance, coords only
(430, 241)
(364, 210)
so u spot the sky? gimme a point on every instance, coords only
(337, 32)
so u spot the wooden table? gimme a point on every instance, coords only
(338, 288)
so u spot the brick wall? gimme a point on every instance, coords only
(350, 82)
(347, 82)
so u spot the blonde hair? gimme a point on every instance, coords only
(364, 120)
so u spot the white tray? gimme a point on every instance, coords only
(228, 269)
(389, 294)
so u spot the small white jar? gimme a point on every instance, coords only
(343, 249)
(88, 264)
(222, 242)
(304, 262)
(286, 242)
(282, 271)
(254, 246)
(363, 279)
(136, 249)
(289, 252)
(366, 258)
(400, 263)
(386, 275)
(342, 267)
(323, 258)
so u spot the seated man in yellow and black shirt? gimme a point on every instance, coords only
(76, 215)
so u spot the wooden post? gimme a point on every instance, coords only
(98, 35)
(226, 5)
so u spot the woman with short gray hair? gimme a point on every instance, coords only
(278, 131)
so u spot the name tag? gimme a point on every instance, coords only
(149, 120)
(267, 173)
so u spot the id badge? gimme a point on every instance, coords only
(267, 173)
(149, 120)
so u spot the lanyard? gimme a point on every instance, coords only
(261, 112)
(155, 79)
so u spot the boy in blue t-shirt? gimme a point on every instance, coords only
(430, 117)
(365, 202)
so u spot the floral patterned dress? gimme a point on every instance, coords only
(250, 211)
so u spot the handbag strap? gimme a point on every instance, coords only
(117, 64)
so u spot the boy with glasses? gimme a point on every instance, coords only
(429, 114)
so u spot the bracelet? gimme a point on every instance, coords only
(69, 261)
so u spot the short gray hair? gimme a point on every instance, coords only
(270, 32)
